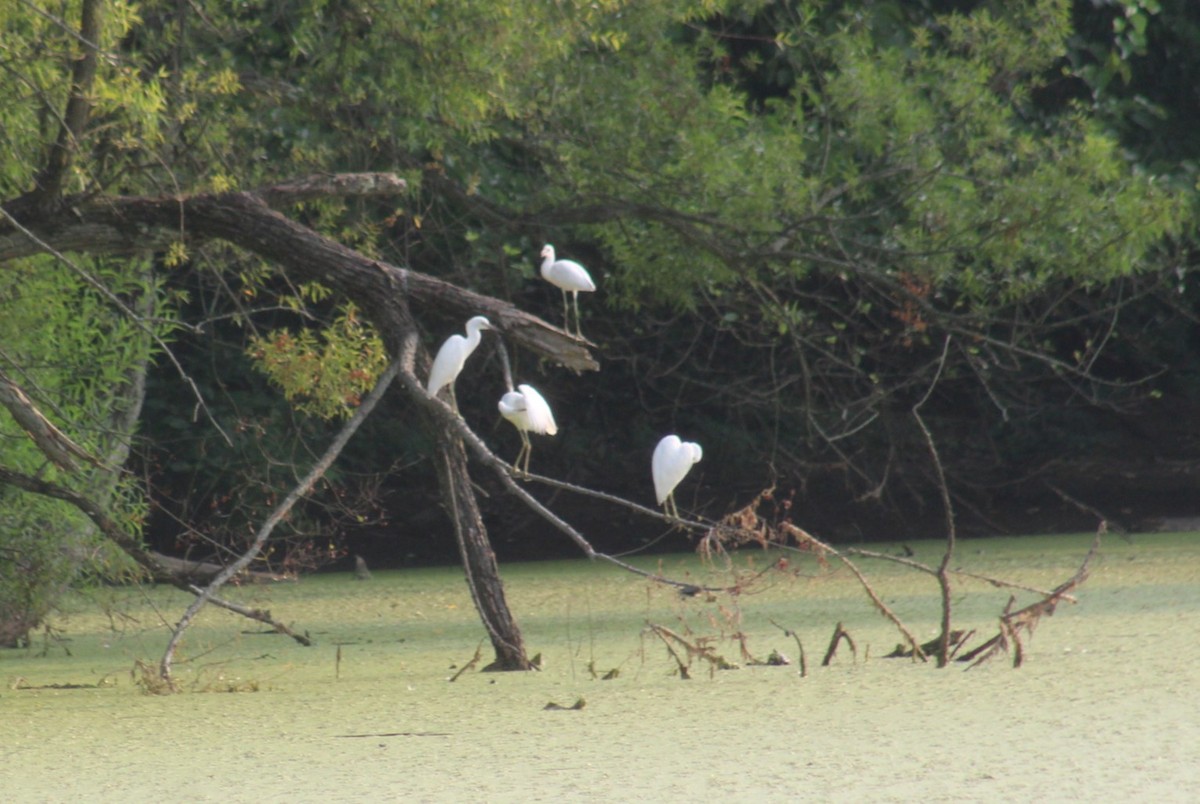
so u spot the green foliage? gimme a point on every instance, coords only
(323, 372)
(924, 158)
(78, 358)
(792, 203)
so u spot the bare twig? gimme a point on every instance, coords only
(473, 663)
(839, 633)
(948, 507)
(806, 538)
(799, 646)
(917, 565)
(295, 495)
(1014, 623)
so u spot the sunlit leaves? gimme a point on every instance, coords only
(323, 372)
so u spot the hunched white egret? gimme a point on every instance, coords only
(529, 413)
(452, 356)
(672, 461)
(570, 277)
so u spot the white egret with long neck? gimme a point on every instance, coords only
(452, 356)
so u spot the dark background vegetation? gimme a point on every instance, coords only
(792, 343)
(1129, 454)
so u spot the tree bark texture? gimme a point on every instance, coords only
(478, 558)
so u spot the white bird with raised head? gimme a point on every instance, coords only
(672, 461)
(453, 356)
(529, 413)
(570, 277)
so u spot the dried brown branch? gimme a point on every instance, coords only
(799, 647)
(747, 526)
(839, 634)
(475, 660)
(917, 565)
(695, 649)
(1014, 623)
(684, 674)
(804, 537)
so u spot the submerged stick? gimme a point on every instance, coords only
(839, 633)
(799, 647)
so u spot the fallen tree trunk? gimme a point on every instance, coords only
(204, 571)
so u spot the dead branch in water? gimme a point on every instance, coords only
(699, 648)
(1014, 623)
(958, 638)
(917, 565)
(839, 633)
(473, 663)
(799, 647)
(746, 526)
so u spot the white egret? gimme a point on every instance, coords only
(568, 276)
(529, 413)
(452, 356)
(672, 461)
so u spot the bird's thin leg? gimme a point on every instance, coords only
(566, 313)
(669, 507)
(516, 464)
(453, 399)
(578, 324)
(526, 449)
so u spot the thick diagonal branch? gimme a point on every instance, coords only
(53, 443)
(132, 224)
(113, 531)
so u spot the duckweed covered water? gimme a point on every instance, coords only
(1105, 708)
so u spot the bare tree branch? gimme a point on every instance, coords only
(114, 533)
(135, 224)
(301, 489)
(53, 443)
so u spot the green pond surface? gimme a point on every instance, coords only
(1105, 708)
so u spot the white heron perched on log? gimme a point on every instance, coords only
(672, 461)
(452, 356)
(529, 413)
(570, 277)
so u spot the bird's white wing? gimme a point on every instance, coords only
(664, 467)
(672, 461)
(570, 275)
(447, 364)
(539, 417)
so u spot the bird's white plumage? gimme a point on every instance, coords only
(453, 355)
(570, 277)
(565, 274)
(528, 411)
(672, 461)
